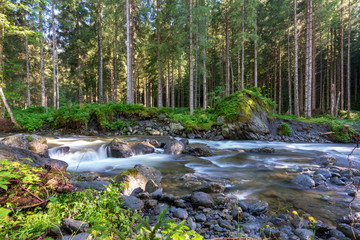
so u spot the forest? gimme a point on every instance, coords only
(304, 55)
(179, 119)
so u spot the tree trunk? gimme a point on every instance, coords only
(81, 98)
(289, 73)
(275, 82)
(342, 58)
(28, 71)
(243, 46)
(255, 54)
(42, 77)
(227, 63)
(296, 80)
(348, 65)
(191, 70)
(204, 69)
(172, 86)
(280, 83)
(328, 71)
(160, 98)
(100, 56)
(167, 87)
(54, 51)
(115, 56)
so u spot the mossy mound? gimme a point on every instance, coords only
(284, 129)
(240, 105)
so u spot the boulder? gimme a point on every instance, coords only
(304, 234)
(86, 176)
(263, 150)
(348, 231)
(142, 148)
(304, 180)
(138, 177)
(22, 155)
(202, 199)
(174, 147)
(181, 213)
(34, 143)
(176, 127)
(198, 150)
(254, 207)
(133, 203)
(120, 149)
(96, 185)
(151, 186)
(323, 171)
(211, 187)
(74, 226)
(60, 150)
(155, 143)
(326, 160)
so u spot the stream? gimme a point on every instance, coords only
(250, 175)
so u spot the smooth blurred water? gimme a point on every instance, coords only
(252, 175)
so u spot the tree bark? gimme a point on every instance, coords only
(191, 70)
(172, 86)
(348, 65)
(227, 63)
(101, 92)
(243, 47)
(289, 73)
(81, 97)
(342, 58)
(255, 54)
(43, 93)
(54, 52)
(204, 69)
(280, 83)
(296, 80)
(167, 87)
(28, 71)
(160, 98)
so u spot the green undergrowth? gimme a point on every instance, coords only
(336, 124)
(284, 129)
(118, 116)
(102, 211)
(240, 105)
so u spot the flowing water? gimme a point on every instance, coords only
(251, 175)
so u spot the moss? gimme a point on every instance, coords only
(30, 139)
(132, 172)
(284, 129)
(240, 105)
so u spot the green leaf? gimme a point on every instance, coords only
(4, 212)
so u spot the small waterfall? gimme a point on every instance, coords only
(87, 154)
(104, 151)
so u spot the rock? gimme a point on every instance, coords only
(326, 160)
(211, 187)
(337, 234)
(34, 143)
(198, 150)
(160, 207)
(60, 150)
(319, 179)
(151, 186)
(200, 217)
(74, 226)
(272, 233)
(185, 141)
(180, 203)
(120, 149)
(304, 234)
(168, 197)
(142, 148)
(86, 176)
(237, 213)
(336, 181)
(181, 213)
(225, 224)
(321, 227)
(202, 199)
(174, 147)
(157, 194)
(346, 230)
(133, 203)
(96, 185)
(256, 207)
(191, 135)
(155, 132)
(323, 171)
(155, 143)
(304, 180)
(176, 127)
(348, 219)
(151, 203)
(346, 172)
(22, 155)
(191, 223)
(80, 236)
(138, 177)
(263, 150)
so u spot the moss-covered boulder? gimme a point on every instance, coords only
(36, 144)
(120, 149)
(138, 177)
(244, 114)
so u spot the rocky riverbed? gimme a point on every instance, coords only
(215, 204)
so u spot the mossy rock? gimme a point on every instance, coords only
(284, 129)
(240, 105)
(132, 172)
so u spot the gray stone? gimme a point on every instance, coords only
(157, 194)
(120, 149)
(337, 234)
(323, 171)
(198, 150)
(133, 203)
(138, 177)
(346, 172)
(200, 217)
(202, 199)
(142, 148)
(191, 223)
(86, 176)
(96, 185)
(151, 203)
(155, 143)
(336, 181)
(181, 213)
(174, 147)
(180, 203)
(74, 226)
(211, 187)
(80, 236)
(263, 150)
(34, 143)
(151, 186)
(160, 207)
(304, 180)
(176, 127)
(326, 160)
(225, 224)
(346, 230)
(304, 234)
(255, 207)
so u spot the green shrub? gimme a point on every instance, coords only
(284, 129)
